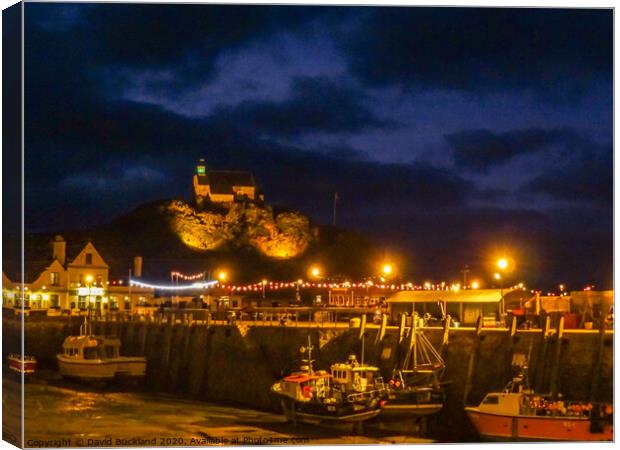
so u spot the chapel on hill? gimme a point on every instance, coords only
(223, 186)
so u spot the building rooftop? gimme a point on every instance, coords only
(464, 296)
(222, 181)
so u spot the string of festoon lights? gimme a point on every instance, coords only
(277, 285)
(301, 284)
(198, 285)
(196, 276)
(265, 285)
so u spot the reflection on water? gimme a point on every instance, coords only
(73, 415)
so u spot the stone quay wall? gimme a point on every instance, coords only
(237, 364)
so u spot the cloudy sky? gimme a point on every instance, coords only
(450, 134)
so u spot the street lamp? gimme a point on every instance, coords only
(89, 280)
(499, 277)
(315, 271)
(502, 263)
(222, 275)
(264, 283)
(297, 293)
(387, 269)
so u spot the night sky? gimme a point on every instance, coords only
(450, 134)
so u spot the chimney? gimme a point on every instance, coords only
(137, 266)
(59, 249)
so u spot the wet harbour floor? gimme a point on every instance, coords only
(59, 413)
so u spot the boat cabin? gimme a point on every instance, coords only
(91, 347)
(501, 403)
(354, 376)
(305, 387)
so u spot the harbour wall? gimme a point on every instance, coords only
(238, 364)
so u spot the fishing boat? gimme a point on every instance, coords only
(359, 382)
(22, 364)
(415, 389)
(315, 397)
(97, 358)
(519, 414)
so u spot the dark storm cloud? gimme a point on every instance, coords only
(589, 179)
(551, 51)
(480, 150)
(187, 37)
(317, 104)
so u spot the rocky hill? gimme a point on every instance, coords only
(252, 241)
(281, 235)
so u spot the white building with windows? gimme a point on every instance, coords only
(73, 281)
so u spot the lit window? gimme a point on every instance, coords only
(89, 258)
(54, 278)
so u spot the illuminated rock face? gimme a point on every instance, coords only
(284, 236)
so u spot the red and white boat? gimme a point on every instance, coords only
(22, 364)
(519, 414)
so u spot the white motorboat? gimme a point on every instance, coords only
(97, 358)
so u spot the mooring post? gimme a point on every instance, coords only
(401, 328)
(596, 369)
(362, 326)
(513, 326)
(382, 328)
(555, 368)
(446, 331)
(473, 361)
(541, 366)
(512, 330)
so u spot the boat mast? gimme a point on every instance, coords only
(309, 360)
(363, 340)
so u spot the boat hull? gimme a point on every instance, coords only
(413, 402)
(102, 370)
(314, 413)
(499, 427)
(407, 410)
(27, 367)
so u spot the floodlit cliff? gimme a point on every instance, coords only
(253, 241)
(277, 235)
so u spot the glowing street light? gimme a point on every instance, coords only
(297, 293)
(475, 284)
(89, 280)
(498, 277)
(502, 263)
(315, 271)
(387, 269)
(222, 275)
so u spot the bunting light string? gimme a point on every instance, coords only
(182, 276)
(199, 285)
(274, 286)
(299, 284)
